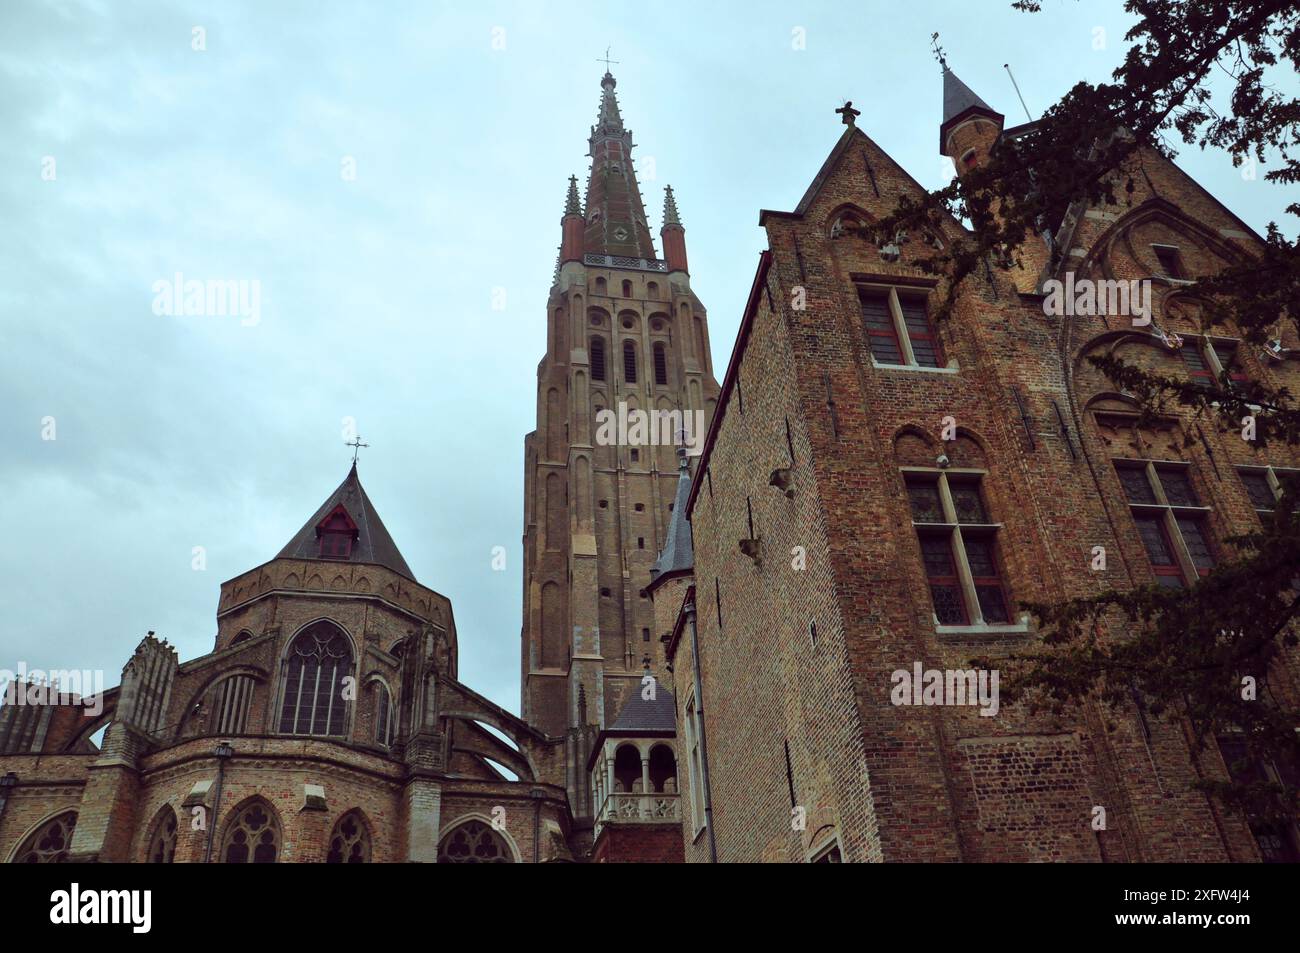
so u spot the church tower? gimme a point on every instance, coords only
(625, 336)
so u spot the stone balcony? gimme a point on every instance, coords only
(656, 808)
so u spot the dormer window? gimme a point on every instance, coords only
(336, 534)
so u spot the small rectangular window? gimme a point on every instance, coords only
(1259, 489)
(1171, 262)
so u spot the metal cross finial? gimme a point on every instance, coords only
(606, 60)
(356, 446)
(938, 50)
(848, 113)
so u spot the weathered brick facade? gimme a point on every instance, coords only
(812, 585)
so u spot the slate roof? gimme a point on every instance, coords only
(959, 99)
(640, 716)
(372, 545)
(678, 554)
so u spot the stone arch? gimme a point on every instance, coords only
(582, 487)
(663, 769)
(471, 839)
(846, 220)
(291, 581)
(967, 451)
(313, 648)
(914, 447)
(1100, 254)
(627, 768)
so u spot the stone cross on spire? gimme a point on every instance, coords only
(848, 113)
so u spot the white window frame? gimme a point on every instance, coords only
(1168, 513)
(693, 765)
(900, 328)
(1271, 474)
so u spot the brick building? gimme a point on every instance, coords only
(710, 650)
(877, 493)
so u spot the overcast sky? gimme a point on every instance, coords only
(462, 123)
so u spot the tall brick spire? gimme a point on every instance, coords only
(616, 222)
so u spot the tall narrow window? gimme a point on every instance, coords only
(627, 289)
(661, 365)
(696, 767)
(1265, 486)
(383, 714)
(1209, 360)
(958, 547)
(233, 698)
(629, 362)
(898, 327)
(1276, 839)
(597, 359)
(350, 841)
(1170, 520)
(162, 845)
(319, 659)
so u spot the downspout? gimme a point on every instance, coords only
(699, 714)
(223, 751)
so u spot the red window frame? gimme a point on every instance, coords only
(1200, 371)
(1174, 569)
(950, 579)
(990, 582)
(929, 335)
(886, 334)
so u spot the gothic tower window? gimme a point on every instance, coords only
(253, 836)
(629, 362)
(350, 841)
(473, 843)
(661, 365)
(627, 289)
(597, 359)
(162, 845)
(318, 661)
(50, 843)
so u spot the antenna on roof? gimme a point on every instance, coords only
(1007, 67)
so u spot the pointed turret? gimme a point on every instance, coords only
(673, 234)
(615, 222)
(347, 528)
(963, 110)
(571, 226)
(678, 555)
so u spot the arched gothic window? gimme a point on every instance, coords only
(473, 843)
(253, 836)
(661, 365)
(629, 362)
(319, 659)
(627, 289)
(350, 841)
(597, 359)
(50, 843)
(162, 846)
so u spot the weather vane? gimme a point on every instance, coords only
(938, 50)
(606, 60)
(356, 446)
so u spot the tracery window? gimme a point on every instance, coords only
(350, 841)
(162, 846)
(473, 843)
(597, 359)
(253, 836)
(50, 843)
(318, 661)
